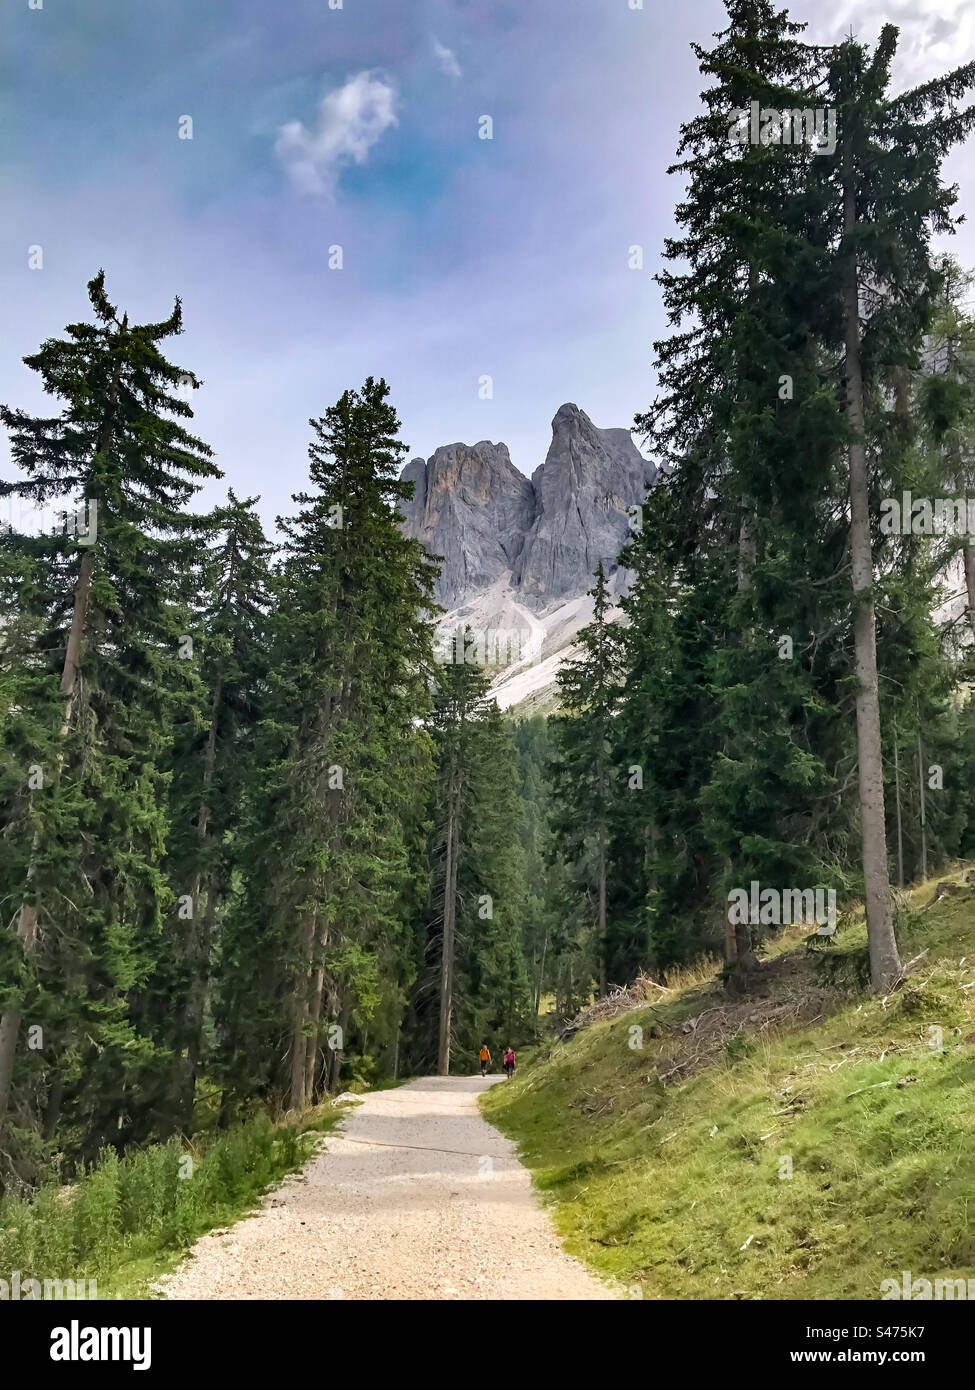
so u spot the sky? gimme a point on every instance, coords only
(316, 125)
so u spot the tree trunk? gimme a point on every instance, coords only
(602, 918)
(730, 937)
(340, 1015)
(200, 935)
(744, 954)
(742, 957)
(885, 964)
(27, 915)
(315, 1013)
(52, 1111)
(968, 548)
(296, 1099)
(72, 655)
(967, 556)
(311, 1043)
(924, 819)
(540, 985)
(449, 924)
(196, 1004)
(10, 1022)
(738, 935)
(968, 560)
(228, 1096)
(742, 946)
(26, 928)
(900, 828)
(747, 549)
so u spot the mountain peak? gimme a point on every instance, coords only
(471, 506)
(544, 536)
(583, 490)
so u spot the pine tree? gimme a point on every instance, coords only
(888, 192)
(460, 700)
(743, 549)
(742, 522)
(947, 402)
(341, 768)
(115, 611)
(586, 775)
(494, 1002)
(472, 940)
(212, 757)
(546, 889)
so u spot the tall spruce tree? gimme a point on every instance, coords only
(341, 767)
(473, 962)
(742, 522)
(740, 568)
(115, 611)
(888, 198)
(460, 700)
(213, 756)
(586, 772)
(546, 890)
(946, 401)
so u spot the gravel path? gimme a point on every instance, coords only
(416, 1197)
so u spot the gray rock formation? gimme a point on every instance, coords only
(544, 537)
(582, 491)
(472, 506)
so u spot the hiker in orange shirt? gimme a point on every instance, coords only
(485, 1057)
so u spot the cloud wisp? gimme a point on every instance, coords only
(447, 60)
(350, 121)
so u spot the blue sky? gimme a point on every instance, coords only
(358, 127)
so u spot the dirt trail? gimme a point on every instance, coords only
(416, 1197)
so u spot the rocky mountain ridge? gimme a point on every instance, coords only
(519, 553)
(545, 534)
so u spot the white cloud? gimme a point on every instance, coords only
(935, 35)
(447, 60)
(350, 121)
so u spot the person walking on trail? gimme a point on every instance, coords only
(485, 1057)
(509, 1062)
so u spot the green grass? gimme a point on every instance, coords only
(129, 1220)
(677, 1190)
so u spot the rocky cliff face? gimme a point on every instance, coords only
(539, 540)
(582, 491)
(472, 506)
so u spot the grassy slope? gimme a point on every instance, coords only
(128, 1221)
(677, 1188)
(150, 1254)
